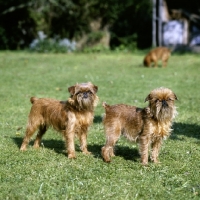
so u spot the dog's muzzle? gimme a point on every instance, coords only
(164, 103)
(85, 95)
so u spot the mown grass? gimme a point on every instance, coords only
(48, 174)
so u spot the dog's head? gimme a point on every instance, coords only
(161, 103)
(145, 62)
(84, 95)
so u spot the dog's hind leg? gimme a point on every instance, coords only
(41, 132)
(112, 137)
(29, 132)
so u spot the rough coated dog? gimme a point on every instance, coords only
(159, 53)
(147, 126)
(71, 117)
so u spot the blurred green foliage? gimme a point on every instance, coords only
(128, 21)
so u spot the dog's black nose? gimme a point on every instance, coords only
(164, 103)
(85, 95)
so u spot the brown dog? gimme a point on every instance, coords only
(71, 117)
(147, 126)
(159, 53)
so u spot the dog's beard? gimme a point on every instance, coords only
(162, 113)
(85, 103)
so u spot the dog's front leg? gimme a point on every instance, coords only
(69, 135)
(83, 140)
(144, 148)
(156, 144)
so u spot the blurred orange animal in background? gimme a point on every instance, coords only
(159, 53)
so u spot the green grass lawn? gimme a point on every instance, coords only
(48, 174)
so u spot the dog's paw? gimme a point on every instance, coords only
(87, 152)
(23, 148)
(71, 156)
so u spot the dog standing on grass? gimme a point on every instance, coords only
(147, 126)
(71, 117)
(159, 53)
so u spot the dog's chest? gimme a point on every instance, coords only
(83, 119)
(160, 129)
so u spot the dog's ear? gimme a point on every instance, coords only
(95, 88)
(71, 90)
(148, 98)
(176, 98)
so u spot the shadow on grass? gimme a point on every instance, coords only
(188, 130)
(59, 147)
(127, 153)
(97, 119)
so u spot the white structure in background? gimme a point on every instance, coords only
(35, 42)
(179, 28)
(69, 45)
(173, 33)
(195, 39)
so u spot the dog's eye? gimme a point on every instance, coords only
(169, 99)
(157, 100)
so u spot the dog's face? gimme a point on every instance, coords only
(84, 94)
(145, 62)
(161, 103)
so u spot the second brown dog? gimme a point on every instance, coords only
(147, 126)
(71, 117)
(159, 53)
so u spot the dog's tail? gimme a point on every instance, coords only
(104, 104)
(33, 99)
